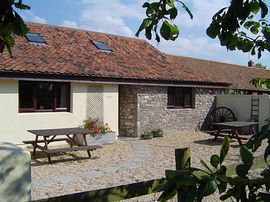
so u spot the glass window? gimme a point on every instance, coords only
(43, 96)
(26, 95)
(101, 45)
(179, 97)
(34, 37)
(62, 96)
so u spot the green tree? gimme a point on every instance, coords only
(11, 23)
(259, 65)
(231, 25)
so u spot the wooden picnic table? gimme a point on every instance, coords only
(52, 135)
(236, 129)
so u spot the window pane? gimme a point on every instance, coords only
(179, 97)
(187, 98)
(170, 97)
(179, 100)
(62, 96)
(44, 95)
(26, 93)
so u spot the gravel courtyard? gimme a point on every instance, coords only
(126, 161)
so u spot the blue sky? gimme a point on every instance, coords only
(123, 17)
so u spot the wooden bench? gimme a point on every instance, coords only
(43, 141)
(90, 147)
(52, 135)
(242, 137)
(67, 149)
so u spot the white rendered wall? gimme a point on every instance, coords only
(241, 106)
(14, 125)
(110, 100)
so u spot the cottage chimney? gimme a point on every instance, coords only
(250, 63)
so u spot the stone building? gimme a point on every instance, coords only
(60, 76)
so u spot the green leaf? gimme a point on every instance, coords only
(241, 170)
(173, 13)
(222, 186)
(255, 28)
(264, 9)
(209, 188)
(22, 6)
(170, 3)
(205, 165)
(248, 24)
(213, 30)
(255, 7)
(266, 154)
(214, 160)
(169, 191)
(224, 149)
(246, 156)
(146, 23)
(168, 31)
(187, 9)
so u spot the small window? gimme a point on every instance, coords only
(43, 96)
(34, 37)
(179, 97)
(101, 45)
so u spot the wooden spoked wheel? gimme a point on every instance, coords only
(222, 114)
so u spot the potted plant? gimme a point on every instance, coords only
(99, 133)
(147, 135)
(157, 132)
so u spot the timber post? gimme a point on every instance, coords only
(182, 161)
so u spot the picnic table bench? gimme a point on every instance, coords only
(236, 129)
(222, 121)
(52, 135)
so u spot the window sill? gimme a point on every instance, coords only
(44, 112)
(180, 108)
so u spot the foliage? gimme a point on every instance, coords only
(199, 183)
(95, 127)
(231, 91)
(147, 134)
(261, 82)
(228, 25)
(11, 23)
(157, 132)
(161, 12)
(242, 25)
(259, 65)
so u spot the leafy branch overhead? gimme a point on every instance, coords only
(11, 23)
(164, 12)
(242, 25)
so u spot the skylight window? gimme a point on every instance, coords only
(34, 37)
(101, 45)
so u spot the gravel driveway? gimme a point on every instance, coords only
(126, 161)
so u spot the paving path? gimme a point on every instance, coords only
(140, 153)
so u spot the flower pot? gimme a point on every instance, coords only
(107, 138)
(157, 133)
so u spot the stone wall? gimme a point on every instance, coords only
(128, 111)
(153, 112)
(151, 109)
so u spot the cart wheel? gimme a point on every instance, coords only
(222, 114)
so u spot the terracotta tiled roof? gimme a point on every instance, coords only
(239, 76)
(69, 52)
